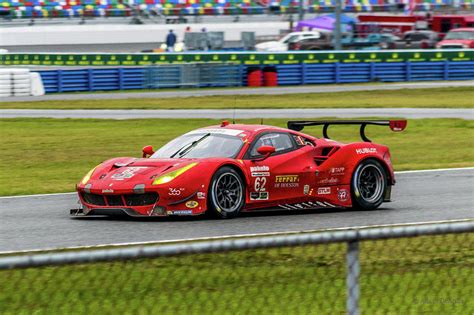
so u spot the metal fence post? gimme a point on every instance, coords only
(352, 280)
(446, 70)
(59, 81)
(408, 71)
(336, 72)
(90, 79)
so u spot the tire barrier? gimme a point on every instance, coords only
(20, 82)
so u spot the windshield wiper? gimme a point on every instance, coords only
(186, 148)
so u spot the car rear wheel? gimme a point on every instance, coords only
(226, 193)
(368, 185)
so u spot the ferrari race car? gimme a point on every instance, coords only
(230, 168)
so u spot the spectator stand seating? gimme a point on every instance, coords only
(119, 8)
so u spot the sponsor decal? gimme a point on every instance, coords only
(287, 179)
(191, 204)
(107, 191)
(324, 190)
(366, 150)
(260, 174)
(201, 195)
(129, 172)
(337, 171)
(287, 185)
(175, 191)
(306, 189)
(342, 195)
(329, 181)
(180, 212)
(262, 195)
(262, 168)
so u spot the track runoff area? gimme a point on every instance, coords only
(420, 197)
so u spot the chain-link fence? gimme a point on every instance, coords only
(193, 75)
(421, 269)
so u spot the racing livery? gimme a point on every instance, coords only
(230, 168)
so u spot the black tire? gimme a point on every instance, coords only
(368, 185)
(226, 195)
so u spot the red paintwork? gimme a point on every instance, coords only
(295, 170)
(466, 43)
(399, 24)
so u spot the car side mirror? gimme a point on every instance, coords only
(266, 151)
(148, 150)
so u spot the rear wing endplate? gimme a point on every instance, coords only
(395, 125)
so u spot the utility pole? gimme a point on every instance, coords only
(301, 10)
(337, 26)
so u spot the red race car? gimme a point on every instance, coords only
(231, 168)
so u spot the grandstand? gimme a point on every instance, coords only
(18, 9)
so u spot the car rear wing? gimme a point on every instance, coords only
(395, 125)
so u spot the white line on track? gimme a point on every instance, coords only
(38, 195)
(210, 238)
(398, 172)
(436, 170)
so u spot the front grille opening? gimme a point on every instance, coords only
(114, 200)
(93, 199)
(141, 199)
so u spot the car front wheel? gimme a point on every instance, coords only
(368, 185)
(226, 193)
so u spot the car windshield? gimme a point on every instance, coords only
(200, 144)
(460, 35)
(288, 39)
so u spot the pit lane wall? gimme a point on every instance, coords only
(95, 72)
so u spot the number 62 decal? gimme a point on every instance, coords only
(260, 183)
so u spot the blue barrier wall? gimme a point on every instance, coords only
(136, 78)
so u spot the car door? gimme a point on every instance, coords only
(285, 176)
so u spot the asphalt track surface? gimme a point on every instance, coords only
(43, 222)
(333, 88)
(413, 113)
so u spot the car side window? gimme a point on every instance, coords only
(302, 141)
(280, 141)
(418, 37)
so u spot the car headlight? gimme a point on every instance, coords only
(88, 176)
(168, 177)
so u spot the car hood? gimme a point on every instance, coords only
(268, 45)
(124, 173)
(455, 41)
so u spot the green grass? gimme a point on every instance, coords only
(423, 275)
(419, 98)
(52, 155)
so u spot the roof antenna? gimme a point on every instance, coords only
(261, 121)
(233, 115)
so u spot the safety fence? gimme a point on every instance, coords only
(220, 75)
(410, 269)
